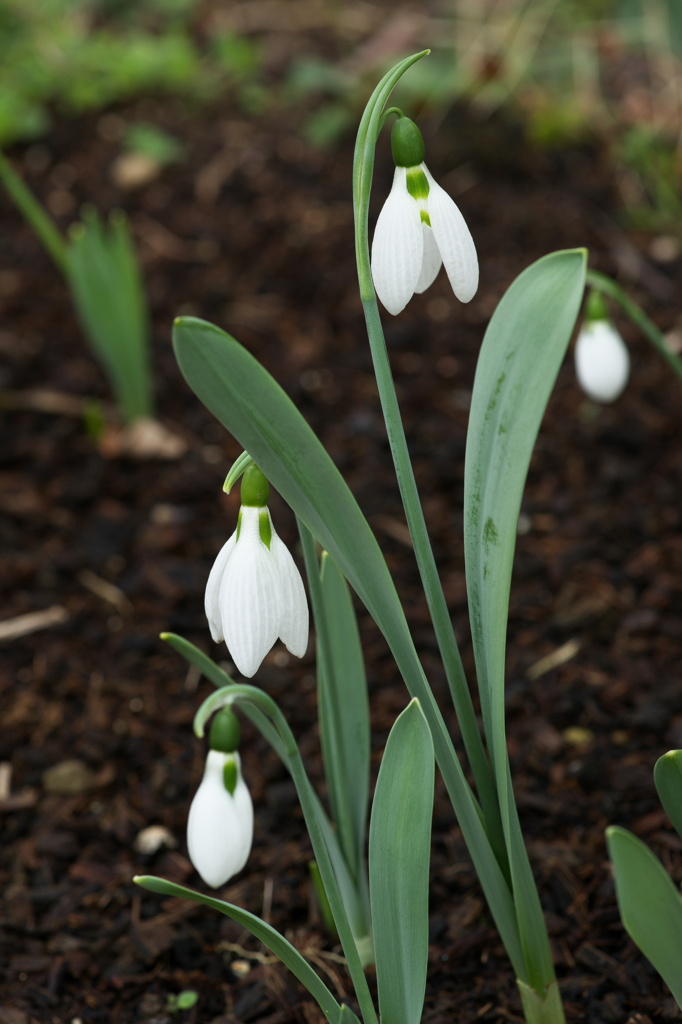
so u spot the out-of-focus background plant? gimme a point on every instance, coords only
(576, 70)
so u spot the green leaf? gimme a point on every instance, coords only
(107, 291)
(650, 905)
(522, 351)
(668, 779)
(399, 856)
(256, 411)
(264, 932)
(347, 1016)
(344, 714)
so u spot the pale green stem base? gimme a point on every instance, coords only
(539, 1008)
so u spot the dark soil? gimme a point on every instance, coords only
(254, 231)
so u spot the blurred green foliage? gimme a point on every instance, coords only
(77, 55)
(153, 142)
(574, 70)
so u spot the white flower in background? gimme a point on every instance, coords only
(255, 592)
(602, 361)
(220, 824)
(419, 229)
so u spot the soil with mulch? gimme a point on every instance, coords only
(253, 230)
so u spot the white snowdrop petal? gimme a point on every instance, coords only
(431, 260)
(250, 597)
(294, 625)
(397, 246)
(602, 361)
(244, 811)
(220, 825)
(454, 241)
(211, 600)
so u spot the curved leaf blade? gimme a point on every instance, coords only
(264, 932)
(242, 395)
(399, 857)
(256, 411)
(522, 351)
(344, 713)
(650, 905)
(668, 779)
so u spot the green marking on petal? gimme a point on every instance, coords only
(417, 185)
(264, 527)
(424, 217)
(239, 524)
(230, 775)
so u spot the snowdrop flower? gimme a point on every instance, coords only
(602, 362)
(220, 824)
(419, 229)
(255, 592)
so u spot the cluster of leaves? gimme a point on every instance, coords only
(77, 55)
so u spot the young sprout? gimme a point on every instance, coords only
(255, 592)
(419, 229)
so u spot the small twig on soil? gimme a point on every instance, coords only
(22, 625)
(558, 657)
(110, 593)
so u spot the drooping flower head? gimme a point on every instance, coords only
(419, 229)
(220, 823)
(255, 592)
(602, 361)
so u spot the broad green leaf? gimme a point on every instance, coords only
(650, 905)
(264, 932)
(668, 779)
(522, 351)
(107, 291)
(399, 856)
(257, 412)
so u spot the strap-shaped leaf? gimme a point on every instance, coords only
(650, 905)
(344, 713)
(257, 412)
(108, 293)
(522, 351)
(668, 779)
(399, 856)
(264, 932)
